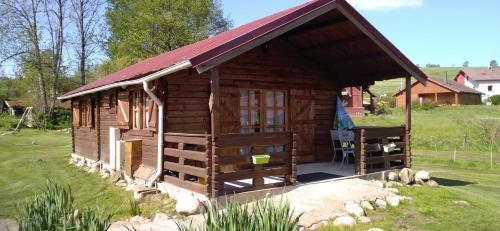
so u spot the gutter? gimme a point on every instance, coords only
(159, 163)
(169, 70)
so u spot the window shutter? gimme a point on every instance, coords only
(153, 114)
(89, 110)
(76, 113)
(123, 110)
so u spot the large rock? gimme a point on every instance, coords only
(406, 176)
(364, 220)
(380, 203)
(367, 205)
(392, 190)
(138, 219)
(161, 218)
(345, 221)
(462, 203)
(392, 176)
(422, 176)
(354, 209)
(392, 201)
(188, 205)
(378, 183)
(432, 183)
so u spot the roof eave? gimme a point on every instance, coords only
(166, 71)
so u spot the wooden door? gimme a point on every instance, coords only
(229, 120)
(302, 123)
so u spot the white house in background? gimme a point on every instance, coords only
(483, 79)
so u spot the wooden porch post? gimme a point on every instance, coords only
(213, 103)
(408, 123)
(456, 99)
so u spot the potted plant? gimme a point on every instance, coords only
(261, 159)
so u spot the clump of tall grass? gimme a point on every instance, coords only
(54, 209)
(263, 215)
(134, 208)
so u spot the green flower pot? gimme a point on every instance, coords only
(261, 159)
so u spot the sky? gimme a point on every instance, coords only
(444, 32)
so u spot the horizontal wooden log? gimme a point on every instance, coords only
(277, 157)
(379, 132)
(251, 173)
(256, 139)
(186, 154)
(191, 170)
(382, 159)
(195, 187)
(199, 139)
(379, 147)
(251, 188)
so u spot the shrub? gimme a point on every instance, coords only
(495, 100)
(8, 121)
(60, 118)
(263, 215)
(427, 105)
(54, 209)
(382, 108)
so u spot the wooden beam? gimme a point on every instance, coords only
(214, 103)
(318, 26)
(338, 42)
(408, 122)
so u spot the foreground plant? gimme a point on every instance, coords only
(54, 209)
(263, 215)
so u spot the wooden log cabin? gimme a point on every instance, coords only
(201, 111)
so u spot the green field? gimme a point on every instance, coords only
(390, 87)
(29, 158)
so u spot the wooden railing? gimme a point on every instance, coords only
(232, 167)
(188, 161)
(370, 152)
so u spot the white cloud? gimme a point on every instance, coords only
(373, 5)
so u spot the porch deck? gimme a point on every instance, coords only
(306, 173)
(215, 167)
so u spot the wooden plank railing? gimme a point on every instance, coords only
(188, 161)
(370, 153)
(230, 166)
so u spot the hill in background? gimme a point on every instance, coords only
(392, 86)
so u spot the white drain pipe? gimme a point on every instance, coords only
(159, 164)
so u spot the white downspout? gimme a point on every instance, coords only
(159, 164)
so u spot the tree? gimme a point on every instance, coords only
(35, 28)
(87, 18)
(54, 11)
(24, 17)
(465, 64)
(493, 64)
(145, 28)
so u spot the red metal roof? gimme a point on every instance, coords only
(213, 47)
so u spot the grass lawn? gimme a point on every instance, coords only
(434, 208)
(25, 168)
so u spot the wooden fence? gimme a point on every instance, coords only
(370, 142)
(188, 161)
(230, 165)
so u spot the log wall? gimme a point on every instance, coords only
(277, 65)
